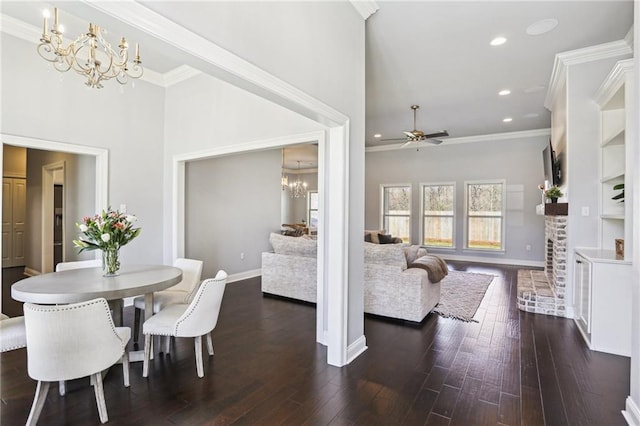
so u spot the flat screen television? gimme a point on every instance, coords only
(551, 166)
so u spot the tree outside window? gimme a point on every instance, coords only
(438, 215)
(396, 211)
(485, 214)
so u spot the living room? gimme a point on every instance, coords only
(145, 125)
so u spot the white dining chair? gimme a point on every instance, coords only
(12, 333)
(179, 293)
(195, 319)
(67, 266)
(67, 342)
(78, 264)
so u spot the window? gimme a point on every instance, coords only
(312, 209)
(396, 211)
(485, 215)
(438, 215)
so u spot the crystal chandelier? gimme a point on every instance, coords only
(89, 55)
(298, 188)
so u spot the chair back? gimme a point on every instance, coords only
(66, 342)
(202, 313)
(65, 266)
(191, 275)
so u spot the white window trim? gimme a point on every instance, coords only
(465, 243)
(381, 198)
(309, 209)
(455, 214)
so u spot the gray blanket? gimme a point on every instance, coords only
(436, 268)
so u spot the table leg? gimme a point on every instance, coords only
(135, 356)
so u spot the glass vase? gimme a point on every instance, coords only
(110, 262)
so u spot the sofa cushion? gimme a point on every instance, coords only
(296, 246)
(385, 254)
(411, 253)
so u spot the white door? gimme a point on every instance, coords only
(14, 198)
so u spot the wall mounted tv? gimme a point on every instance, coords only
(552, 172)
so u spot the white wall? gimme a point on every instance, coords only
(38, 102)
(232, 204)
(518, 161)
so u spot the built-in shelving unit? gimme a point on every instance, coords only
(613, 98)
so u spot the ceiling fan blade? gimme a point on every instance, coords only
(405, 144)
(433, 141)
(393, 140)
(409, 134)
(438, 134)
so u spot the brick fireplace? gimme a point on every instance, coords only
(543, 292)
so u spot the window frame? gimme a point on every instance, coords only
(383, 188)
(502, 216)
(453, 216)
(309, 209)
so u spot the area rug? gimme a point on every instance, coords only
(461, 294)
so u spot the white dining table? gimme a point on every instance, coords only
(79, 285)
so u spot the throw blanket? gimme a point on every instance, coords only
(435, 267)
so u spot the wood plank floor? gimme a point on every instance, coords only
(510, 368)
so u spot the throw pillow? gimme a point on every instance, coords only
(385, 239)
(411, 253)
(367, 238)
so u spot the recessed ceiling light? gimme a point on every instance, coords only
(507, 120)
(498, 41)
(377, 135)
(504, 92)
(542, 26)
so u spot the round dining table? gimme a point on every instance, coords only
(79, 285)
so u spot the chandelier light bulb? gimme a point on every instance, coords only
(46, 13)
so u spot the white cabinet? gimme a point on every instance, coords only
(602, 300)
(614, 98)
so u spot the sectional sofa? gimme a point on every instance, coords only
(391, 289)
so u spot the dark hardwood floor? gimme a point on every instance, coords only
(509, 368)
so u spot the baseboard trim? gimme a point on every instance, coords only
(355, 349)
(631, 413)
(31, 272)
(479, 259)
(244, 275)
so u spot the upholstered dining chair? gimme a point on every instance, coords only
(79, 264)
(12, 333)
(67, 266)
(195, 319)
(179, 293)
(67, 342)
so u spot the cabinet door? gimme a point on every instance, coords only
(582, 295)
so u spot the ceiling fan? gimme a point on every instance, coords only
(418, 135)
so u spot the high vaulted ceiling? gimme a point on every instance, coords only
(435, 54)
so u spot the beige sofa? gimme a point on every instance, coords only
(390, 288)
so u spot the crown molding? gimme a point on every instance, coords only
(581, 56)
(614, 80)
(629, 37)
(365, 8)
(177, 75)
(525, 134)
(30, 33)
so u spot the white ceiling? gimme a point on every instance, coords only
(432, 53)
(437, 55)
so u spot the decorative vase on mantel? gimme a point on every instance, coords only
(554, 200)
(110, 262)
